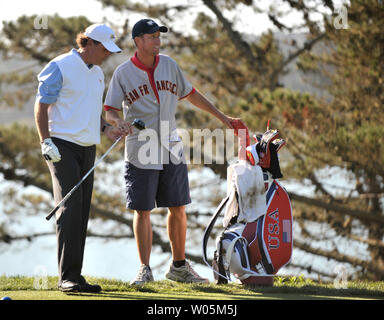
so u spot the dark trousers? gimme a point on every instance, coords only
(72, 218)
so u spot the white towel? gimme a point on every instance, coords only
(247, 182)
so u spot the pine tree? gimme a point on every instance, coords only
(340, 130)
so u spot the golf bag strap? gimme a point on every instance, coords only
(209, 228)
(231, 247)
(220, 266)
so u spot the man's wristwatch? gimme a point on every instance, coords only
(105, 126)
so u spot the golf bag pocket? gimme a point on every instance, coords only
(269, 238)
(231, 249)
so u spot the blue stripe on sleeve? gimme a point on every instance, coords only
(50, 83)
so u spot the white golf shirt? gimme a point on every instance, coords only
(75, 115)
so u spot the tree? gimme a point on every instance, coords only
(243, 75)
(347, 131)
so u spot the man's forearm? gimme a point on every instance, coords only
(41, 119)
(198, 100)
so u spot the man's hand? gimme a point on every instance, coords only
(113, 133)
(50, 151)
(124, 126)
(237, 125)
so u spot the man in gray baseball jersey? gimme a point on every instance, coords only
(149, 86)
(68, 118)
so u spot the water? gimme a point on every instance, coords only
(117, 258)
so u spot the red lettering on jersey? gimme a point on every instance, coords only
(144, 90)
(133, 95)
(129, 101)
(136, 94)
(165, 85)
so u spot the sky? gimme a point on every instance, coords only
(11, 10)
(245, 19)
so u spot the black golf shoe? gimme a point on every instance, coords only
(68, 286)
(86, 287)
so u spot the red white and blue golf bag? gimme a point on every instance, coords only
(257, 240)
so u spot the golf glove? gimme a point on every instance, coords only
(50, 151)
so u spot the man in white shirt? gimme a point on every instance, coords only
(68, 118)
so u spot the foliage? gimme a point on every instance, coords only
(350, 125)
(242, 74)
(44, 45)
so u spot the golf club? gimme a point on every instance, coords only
(139, 124)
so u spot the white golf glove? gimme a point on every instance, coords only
(50, 151)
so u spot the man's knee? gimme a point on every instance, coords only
(177, 211)
(142, 214)
(177, 215)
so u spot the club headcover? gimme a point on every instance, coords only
(264, 149)
(264, 152)
(252, 155)
(267, 148)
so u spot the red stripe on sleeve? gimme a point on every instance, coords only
(106, 108)
(186, 96)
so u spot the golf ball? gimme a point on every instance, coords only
(6, 298)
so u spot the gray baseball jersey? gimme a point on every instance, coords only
(149, 94)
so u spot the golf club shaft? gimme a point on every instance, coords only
(61, 203)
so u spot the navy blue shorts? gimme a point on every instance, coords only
(148, 188)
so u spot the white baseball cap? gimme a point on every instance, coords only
(104, 34)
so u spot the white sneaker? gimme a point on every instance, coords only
(184, 273)
(144, 275)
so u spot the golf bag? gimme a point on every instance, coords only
(257, 239)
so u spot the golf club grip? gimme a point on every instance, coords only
(48, 217)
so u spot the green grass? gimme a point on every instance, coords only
(23, 288)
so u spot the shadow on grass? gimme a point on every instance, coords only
(114, 296)
(158, 290)
(249, 293)
(284, 290)
(211, 289)
(317, 290)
